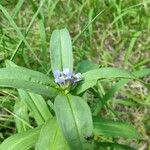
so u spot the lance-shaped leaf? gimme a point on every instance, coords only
(51, 137)
(21, 141)
(37, 106)
(102, 73)
(74, 117)
(61, 50)
(26, 79)
(35, 103)
(114, 128)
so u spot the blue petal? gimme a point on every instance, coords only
(77, 75)
(57, 73)
(67, 72)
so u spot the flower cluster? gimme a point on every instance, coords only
(66, 77)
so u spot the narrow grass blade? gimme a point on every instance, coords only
(18, 7)
(13, 24)
(131, 45)
(27, 30)
(41, 21)
(86, 26)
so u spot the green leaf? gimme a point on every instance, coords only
(86, 65)
(102, 73)
(74, 117)
(51, 137)
(106, 73)
(21, 141)
(36, 103)
(20, 109)
(26, 79)
(61, 50)
(37, 106)
(114, 128)
(29, 74)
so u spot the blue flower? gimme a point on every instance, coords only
(68, 74)
(57, 73)
(66, 77)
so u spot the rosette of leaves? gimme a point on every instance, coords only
(72, 125)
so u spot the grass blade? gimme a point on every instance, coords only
(13, 24)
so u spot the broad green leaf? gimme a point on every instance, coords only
(20, 109)
(29, 74)
(37, 106)
(26, 79)
(105, 145)
(114, 128)
(21, 141)
(74, 117)
(86, 65)
(51, 137)
(106, 73)
(61, 50)
(103, 73)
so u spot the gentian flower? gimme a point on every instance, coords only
(66, 78)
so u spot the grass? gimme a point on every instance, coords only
(110, 33)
